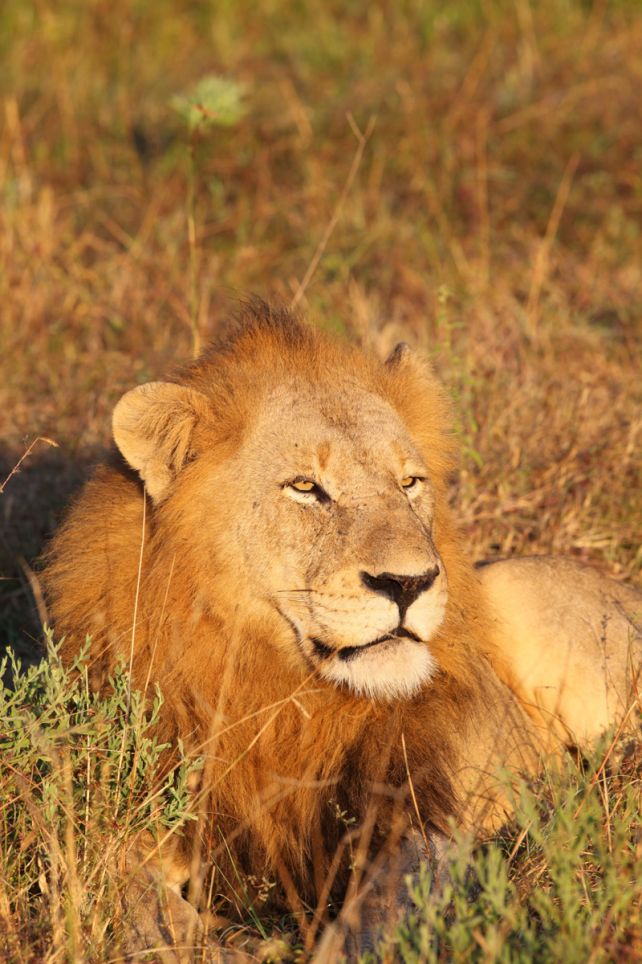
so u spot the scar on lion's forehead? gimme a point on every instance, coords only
(323, 453)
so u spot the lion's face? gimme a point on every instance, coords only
(313, 511)
(332, 524)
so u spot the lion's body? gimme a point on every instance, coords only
(572, 641)
(271, 669)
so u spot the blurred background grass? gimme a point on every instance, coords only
(494, 220)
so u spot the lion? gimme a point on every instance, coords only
(276, 549)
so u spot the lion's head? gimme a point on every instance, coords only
(288, 468)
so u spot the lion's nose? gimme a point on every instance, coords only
(403, 590)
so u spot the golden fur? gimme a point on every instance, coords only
(181, 584)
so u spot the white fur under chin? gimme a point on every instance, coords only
(392, 670)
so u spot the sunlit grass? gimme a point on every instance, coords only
(562, 883)
(82, 777)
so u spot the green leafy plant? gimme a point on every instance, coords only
(564, 882)
(82, 775)
(212, 101)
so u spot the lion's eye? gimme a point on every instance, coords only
(306, 490)
(411, 483)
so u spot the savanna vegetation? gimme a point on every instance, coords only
(466, 176)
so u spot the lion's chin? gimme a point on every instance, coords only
(392, 670)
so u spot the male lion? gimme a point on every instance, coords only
(286, 565)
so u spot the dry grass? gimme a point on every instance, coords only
(494, 218)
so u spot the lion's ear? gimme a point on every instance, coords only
(153, 426)
(399, 356)
(409, 363)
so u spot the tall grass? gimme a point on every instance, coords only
(562, 883)
(82, 777)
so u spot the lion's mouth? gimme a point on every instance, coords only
(349, 653)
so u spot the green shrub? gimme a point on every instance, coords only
(81, 775)
(563, 883)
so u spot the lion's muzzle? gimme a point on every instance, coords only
(395, 661)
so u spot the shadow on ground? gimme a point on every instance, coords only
(31, 506)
